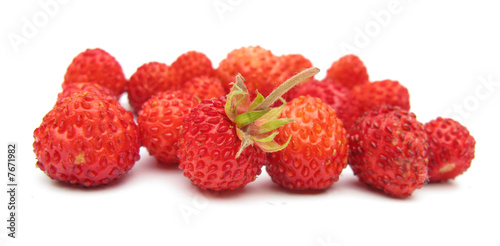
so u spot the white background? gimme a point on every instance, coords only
(441, 51)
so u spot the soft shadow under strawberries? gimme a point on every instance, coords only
(113, 184)
(370, 190)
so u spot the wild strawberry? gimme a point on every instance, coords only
(318, 147)
(70, 89)
(389, 151)
(204, 87)
(291, 65)
(223, 141)
(149, 79)
(99, 67)
(349, 71)
(192, 64)
(365, 97)
(451, 149)
(254, 63)
(207, 148)
(160, 120)
(87, 139)
(330, 93)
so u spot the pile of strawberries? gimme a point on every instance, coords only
(221, 126)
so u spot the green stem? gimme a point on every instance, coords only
(286, 86)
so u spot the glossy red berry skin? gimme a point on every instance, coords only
(149, 79)
(87, 139)
(190, 65)
(99, 67)
(330, 93)
(291, 65)
(257, 65)
(204, 87)
(348, 71)
(70, 89)
(159, 123)
(389, 151)
(451, 149)
(376, 94)
(317, 152)
(207, 148)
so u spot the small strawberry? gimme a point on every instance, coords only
(149, 79)
(159, 122)
(291, 65)
(451, 149)
(87, 139)
(99, 67)
(318, 148)
(70, 89)
(349, 71)
(254, 63)
(365, 97)
(207, 148)
(330, 93)
(204, 87)
(389, 151)
(312, 88)
(192, 64)
(223, 141)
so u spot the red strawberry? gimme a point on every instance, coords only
(389, 151)
(148, 80)
(318, 148)
(207, 148)
(254, 63)
(70, 89)
(366, 97)
(99, 67)
(451, 149)
(192, 64)
(223, 142)
(204, 87)
(87, 139)
(330, 93)
(349, 71)
(291, 65)
(160, 120)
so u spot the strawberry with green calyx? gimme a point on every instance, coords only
(258, 119)
(223, 141)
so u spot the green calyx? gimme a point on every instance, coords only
(256, 120)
